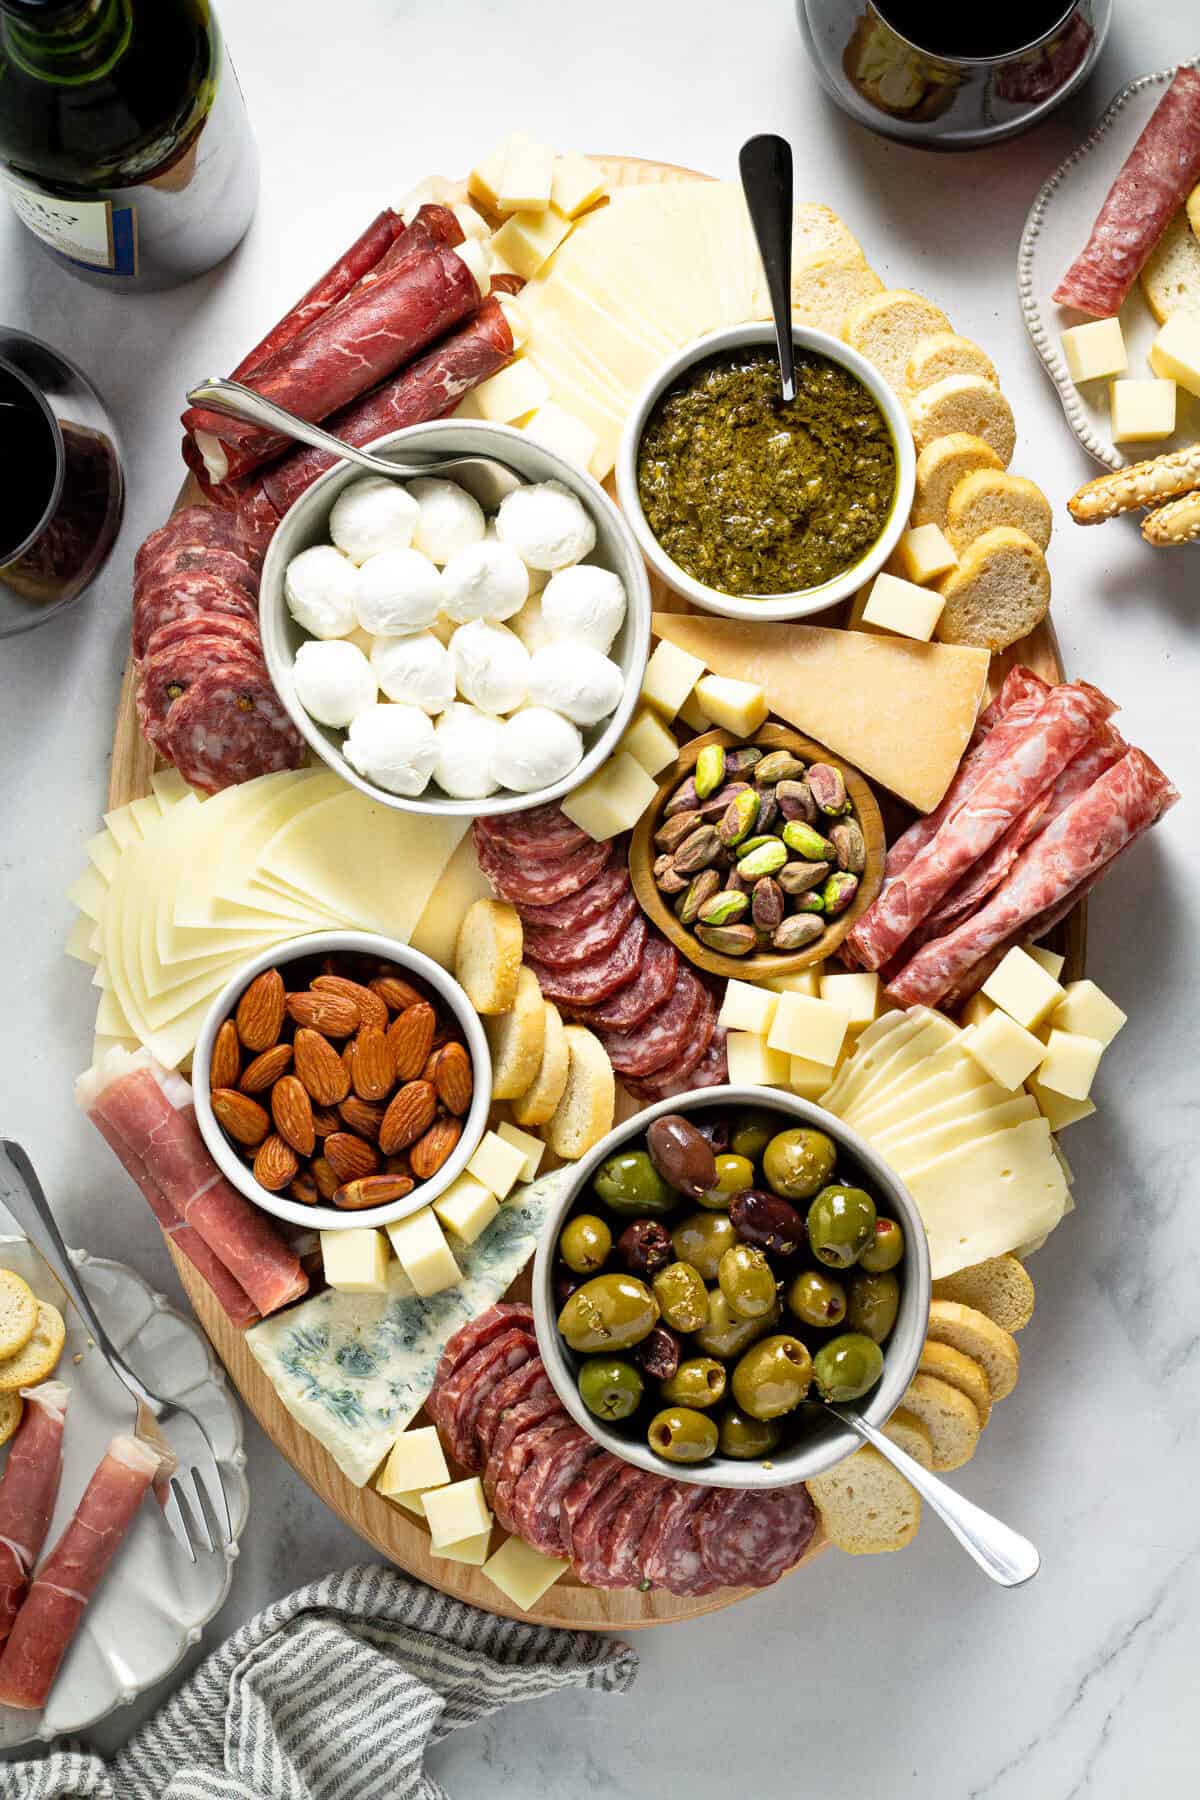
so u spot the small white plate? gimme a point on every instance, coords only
(154, 1602)
(1055, 232)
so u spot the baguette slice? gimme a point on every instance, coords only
(487, 957)
(827, 286)
(948, 1416)
(946, 353)
(866, 1506)
(965, 1328)
(940, 467)
(1171, 277)
(887, 329)
(536, 1105)
(516, 1039)
(992, 497)
(963, 403)
(1000, 1288)
(907, 1433)
(998, 593)
(961, 1372)
(585, 1112)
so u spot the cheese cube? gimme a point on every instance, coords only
(747, 1008)
(736, 706)
(457, 1511)
(526, 177)
(532, 1148)
(901, 606)
(1095, 351)
(613, 800)
(522, 1573)
(1003, 1049)
(649, 742)
(1070, 1063)
(467, 1550)
(976, 1010)
(1023, 988)
(807, 1078)
(559, 430)
(753, 1064)
(1050, 960)
(1086, 1008)
(1175, 352)
(424, 1254)
(856, 995)
(416, 1461)
(529, 239)
(467, 1207)
(670, 676)
(485, 178)
(806, 1027)
(512, 393)
(800, 981)
(693, 714)
(411, 1499)
(356, 1260)
(926, 553)
(496, 1164)
(1142, 411)
(1057, 1109)
(576, 184)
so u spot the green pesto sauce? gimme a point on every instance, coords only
(752, 495)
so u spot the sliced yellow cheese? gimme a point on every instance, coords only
(612, 800)
(466, 1208)
(522, 1573)
(1057, 1109)
(512, 393)
(456, 1511)
(89, 892)
(533, 1149)
(467, 1550)
(985, 1198)
(1142, 411)
(800, 981)
(901, 606)
(485, 178)
(807, 1078)
(529, 239)
(103, 854)
(1175, 352)
(1025, 990)
(747, 1007)
(753, 1063)
(916, 1151)
(460, 884)
(1050, 960)
(122, 826)
(736, 706)
(79, 941)
(1069, 1064)
(425, 1256)
(561, 431)
(576, 184)
(649, 742)
(671, 674)
(815, 1029)
(1086, 1008)
(856, 995)
(1004, 1049)
(925, 553)
(416, 1461)
(497, 1164)
(1095, 351)
(526, 176)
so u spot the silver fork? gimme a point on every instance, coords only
(193, 1497)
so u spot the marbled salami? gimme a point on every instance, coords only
(227, 626)
(582, 1495)
(543, 832)
(169, 672)
(199, 559)
(528, 1382)
(525, 1416)
(518, 879)
(662, 1038)
(670, 1554)
(469, 1386)
(229, 726)
(538, 1495)
(681, 1074)
(600, 976)
(521, 1452)
(592, 1526)
(579, 909)
(463, 1343)
(197, 526)
(562, 948)
(649, 988)
(183, 597)
(749, 1538)
(620, 1543)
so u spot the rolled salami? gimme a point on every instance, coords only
(28, 1490)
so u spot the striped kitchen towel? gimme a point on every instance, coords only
(334, 1693)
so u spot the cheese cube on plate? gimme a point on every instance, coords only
(800, 981)
(1023, 988)
(467, 1207)
(926, 553)
(485, 178)
(670, 676)
(747, 1008)
(457, 1511)
(903, 607)
(1003, 1049)
(1086, 1008)
(694, 715)
(977, 1009)
(613, 800)
(522, 1573)
(1050, 960)
(1057, 1109)
(415, 1461)
(1142, 411)
(527, 175)
(736, 706)
(423, 1253)
(559, 430)
(806, 1027)
(752, 1063)
(512, 393)
(856, 995)
(1095, 351)
(1070, 1063)
(529, 239)
(355, 1260)
(649, 742)
(496, 1164)
(532, 1148)
(807, 1078)
(467, 1550)
(576, 184)
(1175, 352)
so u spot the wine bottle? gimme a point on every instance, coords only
(124, 141)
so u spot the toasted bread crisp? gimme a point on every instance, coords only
(866, 1506)
(487, 957)
(961, 1372)
(948, 1416)
(1171, 277)
(516, 1039)
(585, 1112)
(12, 1409)
(908, 1434)
(828, 286)
(940, 467)
(1000, 1287)
(18, 1312)
(992, 497)
(963, 403)
(37, 1358)
(887, 329)
(998, 593)
(971, 1331)
(537, 1103)
(946, 353)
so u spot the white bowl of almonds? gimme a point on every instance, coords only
(342, 1080)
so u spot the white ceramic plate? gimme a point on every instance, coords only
(1055, 232)
(154, 1602)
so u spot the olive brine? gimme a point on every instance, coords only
(719, 1270)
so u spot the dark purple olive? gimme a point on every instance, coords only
(682, 1155)
(718, 1129)
(565, 1283)
(766, 1221)
(659, 1353)
(644, 1247)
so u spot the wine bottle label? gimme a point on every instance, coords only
(93, 233)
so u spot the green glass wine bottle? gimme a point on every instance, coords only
(124, 141)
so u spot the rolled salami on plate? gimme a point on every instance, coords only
(28, 1490)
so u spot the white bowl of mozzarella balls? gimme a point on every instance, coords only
(444, 659)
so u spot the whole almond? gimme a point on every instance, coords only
(411, 1037)
(259, 1015)
(266, 1069)
(304, 1188)
(320, 1068)
(430, 1152)
(395, 993)
(331, 1014)
(453, 1078)
(372, 1190)
(397, 1164)
(411, 1112)
(291, 1110)
(327, 1182)
(226, 1063)
(373, 1065)
(325, 1121)
(372, 1008)
(350, 1157)
(364, 1117)
(243, 1118)
(276, 1164)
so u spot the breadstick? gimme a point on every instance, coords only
(1141, 484)
(1176, 523)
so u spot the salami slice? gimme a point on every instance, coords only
(650, 987)
(544, 832)
(200, 559)
(670, 1553)
(562, 949)
(587, 903)
(593, 1527)
(751, 1538)
(170, 672)
(467, 1389)
(679, 1075)
(601, 975)
(525, 1383)
(536, 1442)
(230, 726)
(226, 626)
(518, 1419)
(183, 597)
(617, 1562)
(582, 1494)
(463, 1343)
(664, 1036)
(518, 880)
(538, 1496)
(191, 525)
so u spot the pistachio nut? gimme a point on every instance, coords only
(671, 834)
(850, 845)
(806, 842)
(765, 859)
(740, 762)
(710, 770)
(767, 904)
(739, 818)
(810, 903)
(697, 850)
(839, 891)
(827, 787)
(701, 888)
(768, 810)
(732, 940)
(780, 765)
(797, 932)
(795, 800)
(684, 799)
(667, 877)
(725, 908)
(801, 877)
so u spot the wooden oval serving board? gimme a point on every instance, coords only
(395, 1533)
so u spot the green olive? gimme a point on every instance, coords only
(846, 1367)
(682, 1296)
(772, 1377)
(610, 1388)
(724, 1334)
(630, 1184)
(817, 1299)
(752, 1132)
(874, 1301)
(747, 1281)
(682, 1435)
(886, 1250)
(700, 1381)
(702, 1240)
(796, 1163)
(740, 1436)
(841, 1223)
(733, 1174)
(610, 1312)
(585, 1243)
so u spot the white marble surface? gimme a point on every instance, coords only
(901, 1675)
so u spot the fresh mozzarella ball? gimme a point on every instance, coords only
(398, 591)
(466, 746)
(448, 518)
(492, 666)
(415, 669)
(393, 746)
(530, 626)
(321, 589)
(484, 581)
(334, 681)
(536, 748)
(371, 516)
(546, 525)
(580, 683)
(586, 605)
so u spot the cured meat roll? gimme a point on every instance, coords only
(50, 1616)
(28, 1490)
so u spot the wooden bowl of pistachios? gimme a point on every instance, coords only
(755, 857)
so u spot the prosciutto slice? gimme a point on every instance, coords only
(66, 1581)
(28, 1490)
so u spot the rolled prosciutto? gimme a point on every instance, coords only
(49, 1618)
(28, 1490)
(146, 1114)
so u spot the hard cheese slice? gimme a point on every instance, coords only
(985, 1198)
(902, 712)
(462, 882)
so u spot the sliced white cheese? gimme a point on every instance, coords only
(986, 1198)
(460, 884)
(79, 941)
(103, 854)
(915, 1152)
